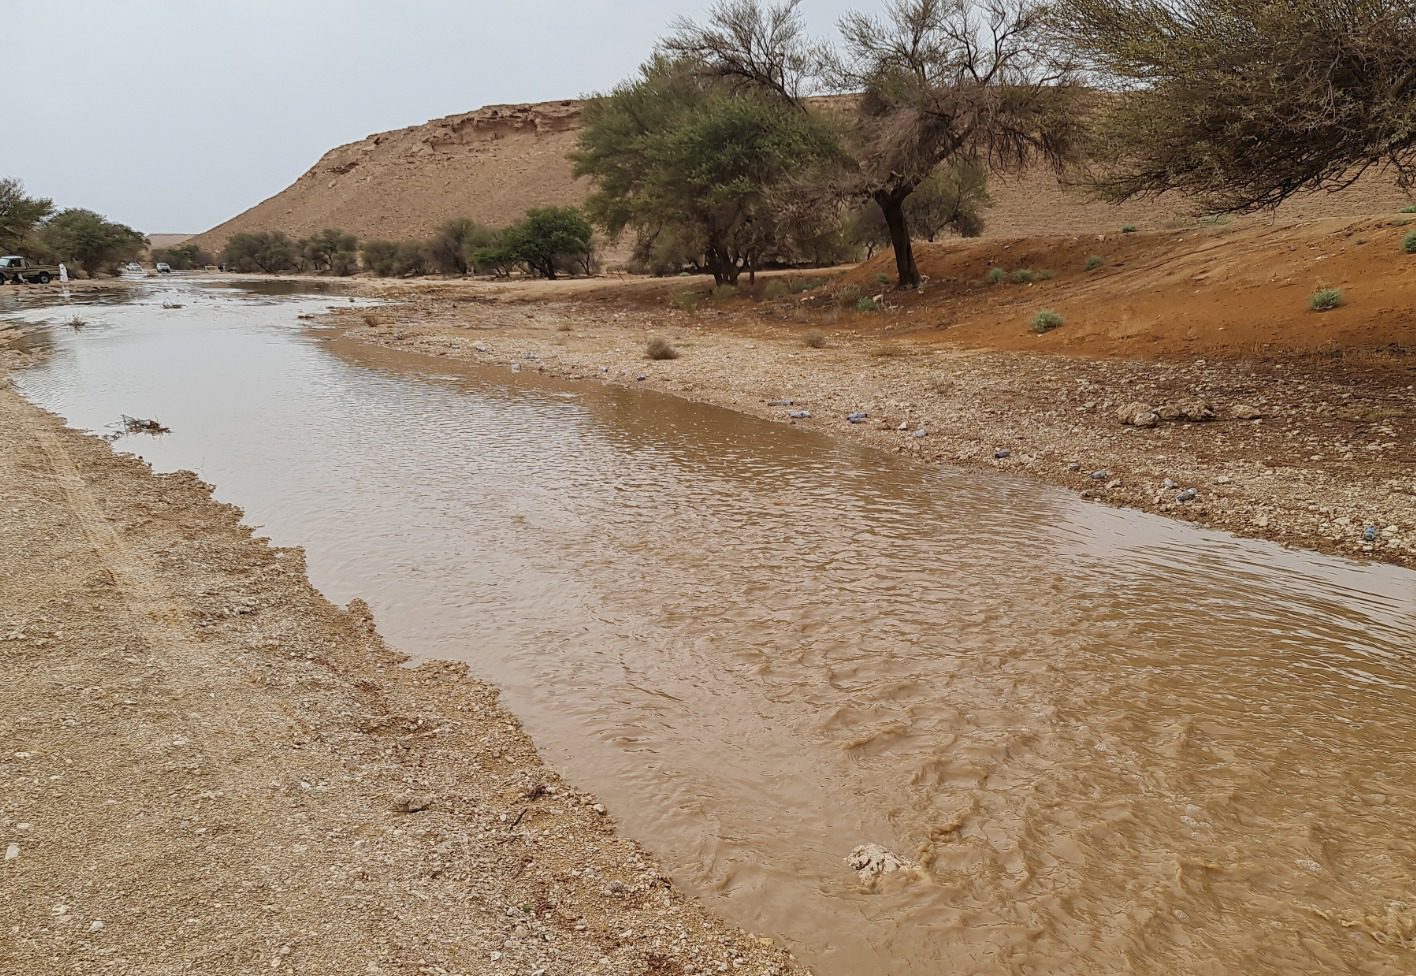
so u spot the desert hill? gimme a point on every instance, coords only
(494, 163)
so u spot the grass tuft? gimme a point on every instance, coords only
(867, 304)
(684, 301)
(724, 292)
(1408, 243)
(1094, 262)
(1325, 300)
(1045, 321)
(996, 276)
(1129, 229)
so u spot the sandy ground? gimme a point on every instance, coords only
(207, 767)
(1311, 448)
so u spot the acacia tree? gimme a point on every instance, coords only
(266, 251)
(20, 214)
(933, 82)
(1244, 103)
(90, 240)
(456, 241)
(681, 155)
(549, 236)
(331, 250)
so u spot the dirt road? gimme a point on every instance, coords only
(207, 767)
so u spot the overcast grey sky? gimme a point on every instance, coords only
(172, 115)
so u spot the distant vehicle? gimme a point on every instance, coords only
(19, 270)
(164, 268)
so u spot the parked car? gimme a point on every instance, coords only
(18, 270)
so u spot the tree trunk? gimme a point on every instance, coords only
(892, 205)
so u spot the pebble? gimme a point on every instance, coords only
(1113, 484)
(921, 433)
(859, 417)
(641, 377)
(12, 852)
(779, 403)
(97, 925)
(1187, 495)
(1167, 484)
(1002, 453)
(1370, 533)
(1074, 466)
(479, 346)
(1102, 475)
(799, 414)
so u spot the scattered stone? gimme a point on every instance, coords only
(921, 433)
(1002, 453)
(1188, 494)
(1168, 484)
(1191, 410)
(482, 347)
(413, 802)
(1369, 534)
(1245, 411)
(799, 414)
(779, 403)
(1137, 414)
(12, 852)
(859, 417)
(1113, 484)
(1223, 479)
(904, 425)
(1102, 475)
(1390, 531)
(97, 925)
(641, 377)
(870, 861)
(1074, 466)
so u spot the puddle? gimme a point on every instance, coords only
(1110, 742)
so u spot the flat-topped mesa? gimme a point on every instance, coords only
(496, 162)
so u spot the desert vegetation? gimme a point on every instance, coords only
(87, 240)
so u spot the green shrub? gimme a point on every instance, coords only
(1408, 243)
(724, 292)
(1325, 300)
(660, 349)
(1024, 276)
(1411, 210)
(997, 276)
(1129, 229)
(881, 278)
(800, 285)
(814, 340)
(1094, 262)
(777, 288)
(867, 304)
(1045, 275)
(1045, 321)
(684, 301)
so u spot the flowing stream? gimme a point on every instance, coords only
(1108, 742)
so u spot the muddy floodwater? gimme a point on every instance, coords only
(1106, 742)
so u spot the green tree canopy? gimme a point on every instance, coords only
(20, 214)
(674, 151)
(1244, 103)
(90, 240)
(547, 237)
(265, 251)
(455, 242)
(331, 250)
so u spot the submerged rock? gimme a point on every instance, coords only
(870, 861)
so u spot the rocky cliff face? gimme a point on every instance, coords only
(494, 163)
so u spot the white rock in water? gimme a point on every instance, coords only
(870, 861)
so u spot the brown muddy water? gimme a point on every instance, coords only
(1110, 742)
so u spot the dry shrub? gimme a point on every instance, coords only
(814, 339)
(659, 348)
